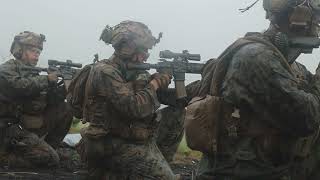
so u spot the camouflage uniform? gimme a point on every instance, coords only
(308, 167)
(31, 125)
(124, 141)
(278, 107)
(170, 131)
(275, 104)
(120, 141)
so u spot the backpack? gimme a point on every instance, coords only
(208, 113)
(76, 91)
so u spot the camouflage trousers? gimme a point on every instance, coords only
(27, 148)
(170, 131)
(309, 167)
(115, 158)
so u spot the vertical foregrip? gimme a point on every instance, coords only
(179, 79)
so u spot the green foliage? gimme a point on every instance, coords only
(186, 151)
(76, 126)
(183, 147)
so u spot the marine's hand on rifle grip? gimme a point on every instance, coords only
(318, 70)
(53, 77)
(160, 80)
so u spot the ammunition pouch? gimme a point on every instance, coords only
(32, 117)
(94, 132)
(10, 111)
(129, 133)
(32, 121)
(94, 145)
(133, 133)
(36, 106)
(203, 117)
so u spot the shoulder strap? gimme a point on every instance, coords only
(226, 57)
(283, 60)
(223, 65)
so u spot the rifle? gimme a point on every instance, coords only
(66, 70)
(178, 67)
(301, 45)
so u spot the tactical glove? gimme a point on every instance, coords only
(53, 78)
(160, 80)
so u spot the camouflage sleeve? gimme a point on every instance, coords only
(16, 85)
(167, 97)
(307, 75)
(258, 81)
(124, 98)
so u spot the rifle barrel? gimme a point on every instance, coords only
(62, 63)
(142, 66)
(194, 68)
(305, 42)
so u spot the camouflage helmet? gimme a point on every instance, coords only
(26, 38)
(277, 6)
(280, 6)
(129, 31)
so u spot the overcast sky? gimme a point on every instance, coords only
(73, 27)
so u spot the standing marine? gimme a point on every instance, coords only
(34, 117)
(121, 105)
(265, 108)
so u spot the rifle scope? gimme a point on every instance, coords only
(166, 54)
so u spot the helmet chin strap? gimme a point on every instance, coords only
(293, 54)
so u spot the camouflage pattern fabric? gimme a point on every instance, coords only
(121, 159)
(171, 118)
(129, 31)
(30, 39)
(17, 83)
(27, 150)
(306, 168)
(36, 124)
(123, 123)
(170, 131)
(25, 39)
(276, 109)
